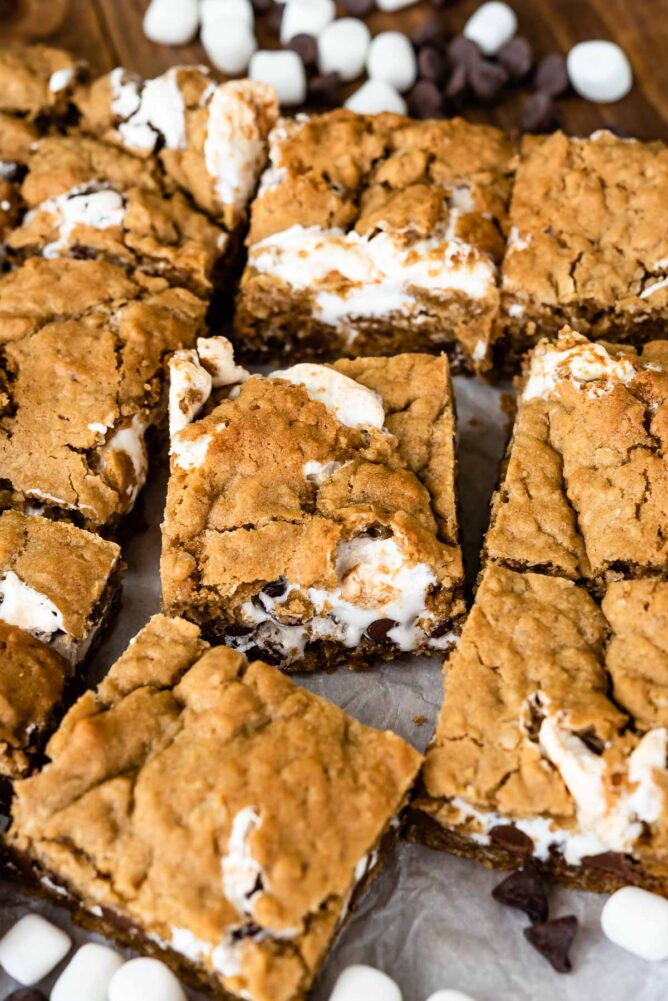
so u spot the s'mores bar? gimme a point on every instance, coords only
(552, 741)
(588, 242)
(373, 235)
(58, 587)
(311, 515)
(37, 82)
(82, 349)
(209, 811)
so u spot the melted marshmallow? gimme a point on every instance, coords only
(98, 209)
(27, 608)
(217, 356)
(190, 387)
(351, 403)
(149, 112)
(589, 368)
(129, 438)
(240, 872)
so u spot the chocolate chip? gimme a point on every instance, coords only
(525, 891)
(358, 8)
(8, 8)
(592, 741)
(553, 939)
(551, 75)
(274, 18)
(440, 629)
(463, 51)
(457, 85)
(441, 3)
(511, 838)
(81, 253)
(516, 56)
(429, 30)
(306, 47)
(262, 653)
(379, 629)
(612, 862)
(275, 588)
(262, 6)
(431, 64)
(325, 89)
(237, 630)
(538, 113)
(425, 100)
(26, 994)
(487, 79)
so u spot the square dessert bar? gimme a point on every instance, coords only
(82, 349)
(211, 812)
(311, 516)
(588, 240)
(552, 740)
(373, 235)
(37, 82)
(58, 587)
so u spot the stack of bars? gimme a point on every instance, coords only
(198, 804)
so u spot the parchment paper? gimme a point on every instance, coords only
(429, 920)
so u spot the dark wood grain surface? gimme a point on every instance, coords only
(109, 33)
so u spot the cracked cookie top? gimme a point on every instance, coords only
(585, 490)
(314, 505)
(38, 81)
(589, 224)
(215, 805)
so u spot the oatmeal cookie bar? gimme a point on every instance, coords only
(311, 516)
(373, 235)
(561, 754)
(58, 586)
(17, 139)
(209, 811)
(37, 82)
(82, 350)
(588, 242)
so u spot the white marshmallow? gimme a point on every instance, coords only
(342, 48)
(32, 948)
(87, 975)
(229, 43)
(491, 26)
(284, 71)
(353, 404)
(391, 58)
(599, 71)
(363, 983)
(307, 17)
(637, 921)
(391, 5)
(376, 96)
(217, 355)
(212, 12)
(144, 978)
(449, 995)
(171, 22)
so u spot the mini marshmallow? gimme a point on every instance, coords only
(230, 44)
(364, 982)
(32, 948)
(449, 995)
(354, 405)
(391, 58)
(306, 17)
(284, 71)
(491, 26)
(376, 96)
(390, 5)
(599, 71)
(637, 920)
(343, 46)
(87, 975)
(143, 978)
(214, 12)
(171, 22)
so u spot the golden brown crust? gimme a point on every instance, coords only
(36, 80)
(135, 812)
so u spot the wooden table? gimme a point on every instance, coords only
(108, 33)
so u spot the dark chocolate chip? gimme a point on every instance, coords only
(26, 994)
(275, 588)
(457, 85)
(325, 89)
(238, 630)
(379, 629)
(425, 100)
(553, 939)
(551, 75)
(81, 253)
(441, 628)
(463, 50)
(487, 79)
(262, 6)
(8, 8)
(306, 47)
(538, 113)
(273, 18)
(592, 741)
(441, 3)
(358, 8)
(429, 30)
(262, 653)
(516, 56)
(612, 862)
(525, 891)
(512, 839)
(431, 64)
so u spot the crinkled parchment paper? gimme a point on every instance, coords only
(428, 920)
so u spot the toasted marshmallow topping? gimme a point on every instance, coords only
(27, 608)
(190, 387)
(129, 438)
(351, 403)
(589, 367)
(149, 112)
(216, 354)
(241, 874)
(98, 209)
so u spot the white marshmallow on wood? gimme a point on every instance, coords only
(637, 920)
(364, 983)
(284, 71)
(87, 975)
(390, 5)
(215, 11)
(306, 17)
(374, 97)
(599, 71)
(343, 47)
(491, 26)
(230, 44)
(449, 995)
(391, 58)
(171, 22)
(143, 978)
(32, 948)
